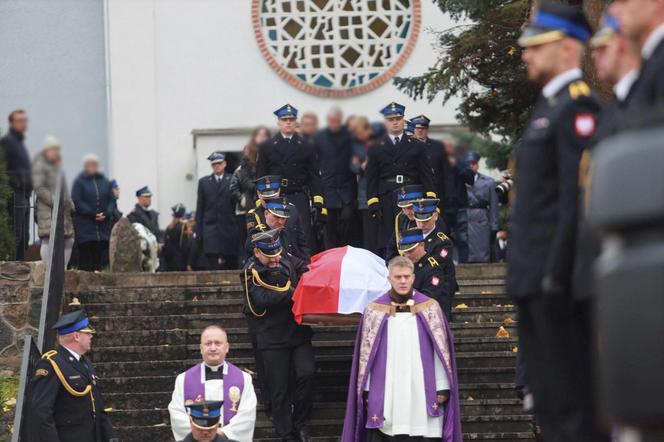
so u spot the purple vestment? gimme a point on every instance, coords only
(370, 356)
(194, 389)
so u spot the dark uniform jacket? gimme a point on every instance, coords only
(391, 166)
(295, 162)
(293, 238)
(218, 438)
(177, 246)
(268, 298)
(62, 412)
(544, 220)
(215, 216)
(440, 246)
(430, 279)
(440, 165)
(18, 163)
(149, 218)
(335, 151)
(648, 91)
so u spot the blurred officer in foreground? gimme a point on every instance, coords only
(642, 23)
(204, 417)
(215, 216)
(394, 160)
(288, 155)
(404, 219)
(429, 275)
(437, 153)
(66, 402)
(553, 327)
(482, 212)
(334, 146)
(269, 279)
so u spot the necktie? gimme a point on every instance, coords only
(288, 140)
(396, 140)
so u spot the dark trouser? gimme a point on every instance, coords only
(19, 213)
(290, 409)
(221, 262)
(301, 201)
(456, 225)
(242, 228)
(260, 366)
(369, 231)
(91, 255)
(555, 337)
(389, 209)
(378, 436)
(338, 227)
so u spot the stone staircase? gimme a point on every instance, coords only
(148, 331)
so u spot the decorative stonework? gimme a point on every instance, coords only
(336, 48)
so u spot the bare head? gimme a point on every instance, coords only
(91, 164)
(214, 345)
(401, 275)
(309, 124)
(362, 129)
(18, 121)
(638, 18)
(335, 119)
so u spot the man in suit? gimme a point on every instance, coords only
(66, 401)
(334, 146)
(142, 213)
(437, 155)
(554, 330)
(642, 22)
(288, 155)
(482, 212)
(215, 216)
(394, 160)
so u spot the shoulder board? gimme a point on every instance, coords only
(442, 236)
(579, 89)
(432, 261)
(49, 354)
(252, 211)
(261, 227)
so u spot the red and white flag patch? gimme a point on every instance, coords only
(435, 281)
(584, 125)
(443, 253)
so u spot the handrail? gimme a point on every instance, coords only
(54, 283)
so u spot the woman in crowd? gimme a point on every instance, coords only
(243, 187)
(177, 241)
(45, 170)
(95, 205)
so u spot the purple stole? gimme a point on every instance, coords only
(370, 357)
(194, 390)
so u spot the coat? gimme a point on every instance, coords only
(149, 219)
(92, 194)
(335, 151)
(243, 188)
(360, 153)
(482, 218)
(544, 218)
(60, 416)
(44, 178)
(648, 91)
(17, 163)
(216, 225)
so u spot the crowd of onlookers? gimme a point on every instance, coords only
(470, 210)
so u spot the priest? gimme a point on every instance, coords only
(215, 379)
(403, 383)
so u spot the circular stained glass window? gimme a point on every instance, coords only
(336, 48)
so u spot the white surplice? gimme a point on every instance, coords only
(240, 427)
(405, 406)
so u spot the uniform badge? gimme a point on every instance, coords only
(435, 281)
(443, 253)
(584, 125)
(41, 372)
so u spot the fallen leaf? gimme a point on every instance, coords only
(509, 320)
(108, 410)
(461, 306)
(487, 292)
(502, 333)
(515, 350)
(470, 398)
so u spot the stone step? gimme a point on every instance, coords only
(324, 414)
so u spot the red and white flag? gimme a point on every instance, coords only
(340, 281)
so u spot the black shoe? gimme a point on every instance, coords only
(304, 435)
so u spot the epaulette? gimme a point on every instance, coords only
(261, 227)
(49, 354)
(579, 89)
(252, 210)
(433, 262)
(442, 236)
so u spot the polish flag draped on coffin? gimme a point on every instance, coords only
(340, 281)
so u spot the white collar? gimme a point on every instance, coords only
(224, 368)
(427, 233)
(286, 137)
(624, 85)
(653, 40)
(73, 353)
(392, 137)
(556, 84)
(218, 177)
